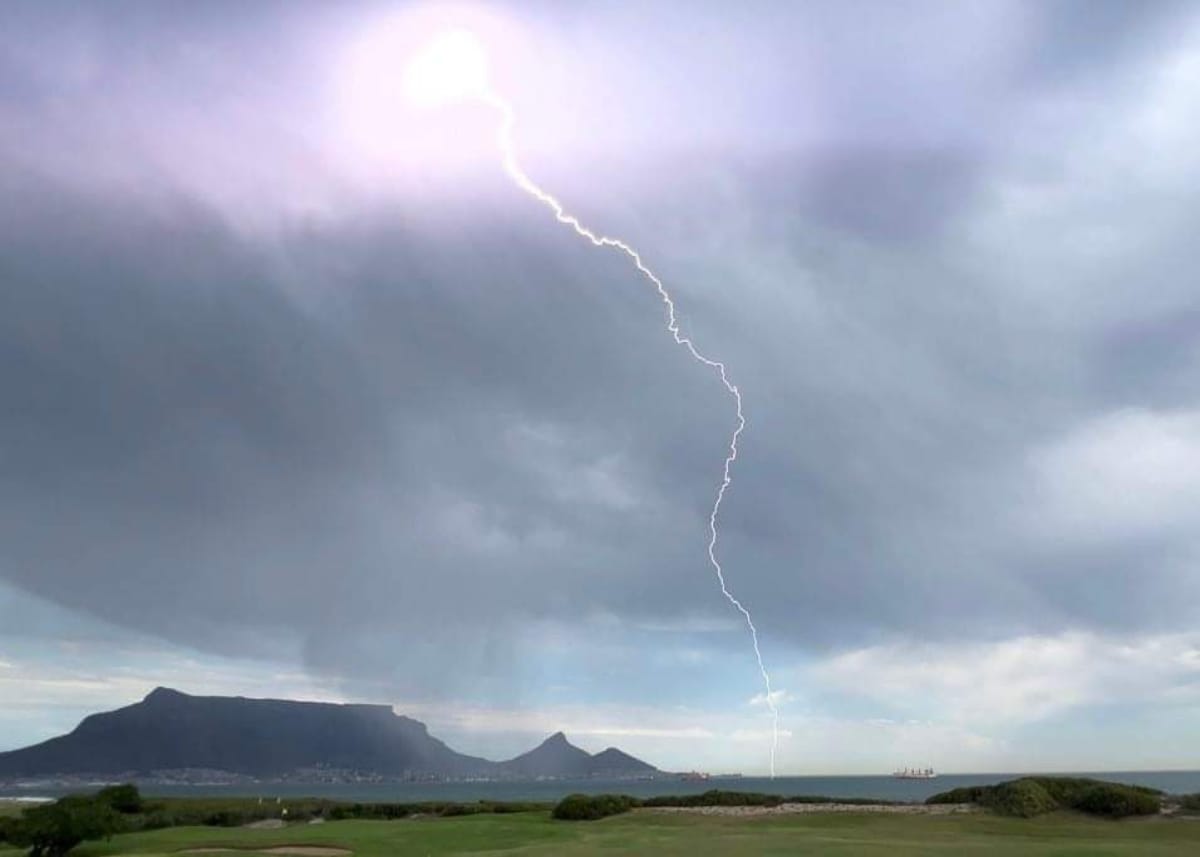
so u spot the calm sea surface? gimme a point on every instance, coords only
(885, 788)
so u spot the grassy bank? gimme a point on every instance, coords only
(646, 832)
(719, 823)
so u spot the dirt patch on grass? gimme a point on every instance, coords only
(796, 808)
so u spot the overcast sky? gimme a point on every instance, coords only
(302, 397)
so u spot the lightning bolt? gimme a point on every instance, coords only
(521, 179)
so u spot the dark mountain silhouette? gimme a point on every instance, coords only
(172, 731)
(617, 763)
(558, 757)
(554, 757)
(256, 737)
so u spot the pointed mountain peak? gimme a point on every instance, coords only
(163, 694)
(556, 739)
(613, 759)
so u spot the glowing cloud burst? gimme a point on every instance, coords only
(454, 67)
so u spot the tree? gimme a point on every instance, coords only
(125, 799)
(54, 829)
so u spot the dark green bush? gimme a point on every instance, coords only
(716, 797)
(125, 799)
(1031, 796)
(963, 794)
(1067, 791)
(453, 809)
(388, 811)
(844, 801)
(53, 829)
(1116, 801)
(579, 807)
(1190, 803)
(157, 821)
(514, 806)
(1020, 798)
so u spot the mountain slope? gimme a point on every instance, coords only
(614, 762)
(257, 737)
(265, 738)
(558, 757)
(554, 757)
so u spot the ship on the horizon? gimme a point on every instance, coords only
(915, 774)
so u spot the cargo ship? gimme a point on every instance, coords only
(915, 774)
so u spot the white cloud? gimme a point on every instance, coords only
(81, 686)
(569, 468)
(777, 697)
(1126, 474)
(758, 736)
(1022, 680)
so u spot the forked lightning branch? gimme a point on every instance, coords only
(454, 67)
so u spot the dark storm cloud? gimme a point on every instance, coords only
(190, 453)
(880, 194)
(158, 392)
(1072, 38)
(1151, 362)
(444, 424)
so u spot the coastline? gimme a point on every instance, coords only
(870, 788)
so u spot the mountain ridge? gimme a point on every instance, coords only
(171, 731)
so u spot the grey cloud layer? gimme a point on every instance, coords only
(391, 427)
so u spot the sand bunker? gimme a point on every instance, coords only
(791, 808)
(295, 850)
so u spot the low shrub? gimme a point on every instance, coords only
(844, 801)
(513, 806)
(1020, 798)
(963, 794)
(157, 821)
(125, 799)
(1116, 801)
(716, 797)
(53, 829)
(1030, 796)
(1190, 803)
(390, 811)
(373, 811)
(453, 809)
(580, 807)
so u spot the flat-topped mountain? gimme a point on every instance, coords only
(269, 738)
(169, 730)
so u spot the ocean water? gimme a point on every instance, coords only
(878, 787)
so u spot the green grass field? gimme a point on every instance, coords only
(535, 833)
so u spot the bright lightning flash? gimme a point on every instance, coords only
(454, 67)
